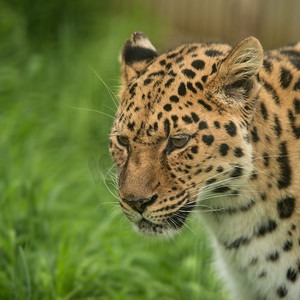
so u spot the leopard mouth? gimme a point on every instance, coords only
(171, 225)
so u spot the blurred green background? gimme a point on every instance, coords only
(62, 234)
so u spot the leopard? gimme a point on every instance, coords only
(214, 130)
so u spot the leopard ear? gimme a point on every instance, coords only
(237, 73)
(136, 55)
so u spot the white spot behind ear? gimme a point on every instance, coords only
(140, 39)
(136, 55)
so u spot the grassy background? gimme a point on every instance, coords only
(62, 234)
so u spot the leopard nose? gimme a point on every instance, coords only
(139, 204)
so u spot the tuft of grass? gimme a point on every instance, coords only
(62, 234)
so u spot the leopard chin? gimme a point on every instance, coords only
(170, 227)
(148, 228)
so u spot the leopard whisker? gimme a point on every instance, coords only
(93, 110)
(108, 188)
(177, 214)
(108, 107)
(111, 93)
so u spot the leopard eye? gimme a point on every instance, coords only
(123, 140)
(179, 141)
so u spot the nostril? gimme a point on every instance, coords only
(139, 204)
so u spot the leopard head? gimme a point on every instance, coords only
(180, 138)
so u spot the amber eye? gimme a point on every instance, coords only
(123, 140)
(179, 141)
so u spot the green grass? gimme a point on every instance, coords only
(62, 234)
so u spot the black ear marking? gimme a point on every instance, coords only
(136, 55)
(132, 53)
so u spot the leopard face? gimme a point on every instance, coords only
(180, 137)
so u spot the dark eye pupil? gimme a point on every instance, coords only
(123, 140)
(179, 142)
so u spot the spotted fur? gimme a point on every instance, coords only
(208, 127)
